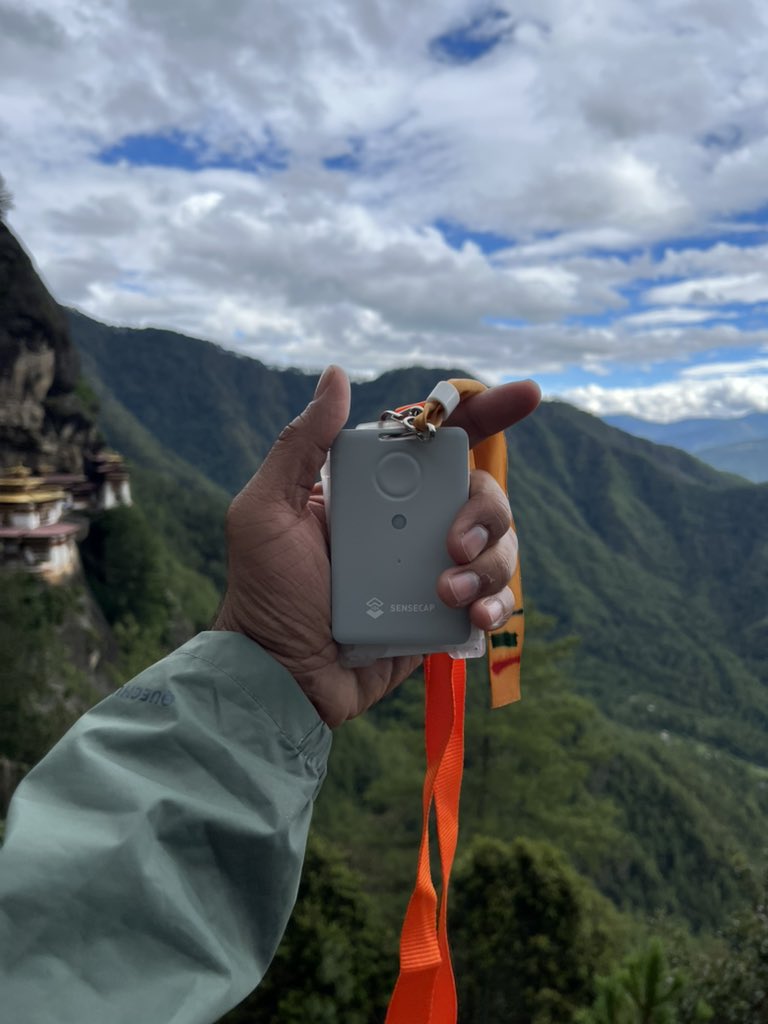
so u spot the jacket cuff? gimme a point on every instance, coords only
(268, 684)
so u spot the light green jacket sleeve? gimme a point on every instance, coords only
(152, 858)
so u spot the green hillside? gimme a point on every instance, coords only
(658, 563)
(655, 825)
(625, 795)
(643, 755)
(632, 546)
(187, 507)
(217, 410)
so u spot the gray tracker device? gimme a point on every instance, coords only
(392, 502)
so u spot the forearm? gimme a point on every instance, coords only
(152, 858)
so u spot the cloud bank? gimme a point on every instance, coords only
(524, 189)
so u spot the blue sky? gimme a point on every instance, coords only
(189, 152)
(518, 190)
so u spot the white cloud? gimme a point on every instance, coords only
(680, 315)
(676, 400)
(714, 291)
(740, 369)
(721, 258)
(582, 138)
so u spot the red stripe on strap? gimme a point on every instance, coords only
(499, 666)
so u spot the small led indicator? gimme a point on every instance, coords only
(399, 521)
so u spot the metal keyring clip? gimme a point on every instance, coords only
(407, 430)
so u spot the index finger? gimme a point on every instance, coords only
(495, 409)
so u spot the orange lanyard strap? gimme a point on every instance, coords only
(425, 992)
(505, 643)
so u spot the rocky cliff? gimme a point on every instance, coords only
(44, 422)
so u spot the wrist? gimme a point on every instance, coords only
(223, 620)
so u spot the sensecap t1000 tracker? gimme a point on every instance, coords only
(392, 502)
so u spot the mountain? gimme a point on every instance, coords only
(631, 545)
(642, 756)
(695, 435)
(184, 506)
(57, 649)
(647, 762)
(218, 410)
(48, 413)
(61, 646)
(45, 421)
(638, 750)
(746, 458)
(737, 445)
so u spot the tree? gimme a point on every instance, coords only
(334, 965)
(41, 691)
(732, 978)
(528, 933)
(642, 991)
(124, 563)
(128, 571)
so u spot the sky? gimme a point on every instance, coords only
(572, 192)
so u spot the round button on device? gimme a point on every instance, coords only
(398, 475)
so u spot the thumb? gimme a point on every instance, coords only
(292, 465)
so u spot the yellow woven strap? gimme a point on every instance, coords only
(505, 644)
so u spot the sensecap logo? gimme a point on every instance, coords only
(374, 607)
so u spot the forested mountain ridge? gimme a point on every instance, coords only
(637, 753)
(654, 559)
(651, 559)
(219, 410)
(658, 563)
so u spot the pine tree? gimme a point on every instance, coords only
(643, 991)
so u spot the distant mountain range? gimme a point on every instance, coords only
(653, 560)
(732, 445)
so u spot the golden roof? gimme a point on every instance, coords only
(18, 478)
(31, 497)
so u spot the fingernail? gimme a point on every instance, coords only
(474, 541)
(496, 611)
(325, 380)
(464, 586)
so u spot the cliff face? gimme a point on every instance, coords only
(43, 422)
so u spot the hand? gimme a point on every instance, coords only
(279, 582)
